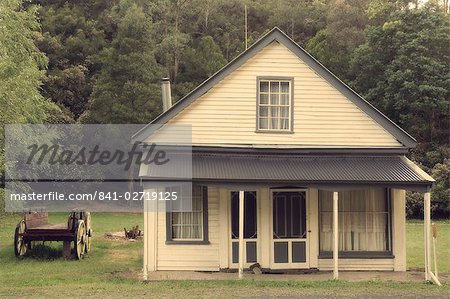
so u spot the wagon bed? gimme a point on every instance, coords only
(34, 227)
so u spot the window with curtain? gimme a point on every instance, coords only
(274, 105)
(188, 226)
(364, 220)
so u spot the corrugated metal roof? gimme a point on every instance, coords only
(330, 169)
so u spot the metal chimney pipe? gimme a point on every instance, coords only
(166, 94)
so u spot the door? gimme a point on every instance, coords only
(289, 232)
(250, 229)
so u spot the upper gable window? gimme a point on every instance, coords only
(274, 105)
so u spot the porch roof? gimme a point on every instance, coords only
(305, 169)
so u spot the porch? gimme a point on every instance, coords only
(289, 211)
(408, 276)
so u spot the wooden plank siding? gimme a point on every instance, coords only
(323, 117)
(358, 264)
(215, 255)
(191, 257)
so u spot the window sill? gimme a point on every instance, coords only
(190, 242)
(359, 255)
(274, 131)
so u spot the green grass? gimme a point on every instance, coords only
(415, 244)
(112, 270)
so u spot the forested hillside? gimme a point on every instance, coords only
(101, 61)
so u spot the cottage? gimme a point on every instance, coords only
(291, 169)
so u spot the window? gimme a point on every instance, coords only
(192, 226)
(364, 221)
(274, 105)
(289, 215)
(250, 215)
(250, 226)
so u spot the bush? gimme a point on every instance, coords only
(440, 195)
(414, 205)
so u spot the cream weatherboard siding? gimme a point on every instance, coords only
(161, 256)
(323, 117)
(358, 264)
(190, 257)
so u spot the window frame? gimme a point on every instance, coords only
(205, 238)
(291, 104)
(363, 254)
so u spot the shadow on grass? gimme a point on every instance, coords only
(43, 252)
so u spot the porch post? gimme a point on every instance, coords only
(335, 235)
(426, 233)
(241, 233)
(145, 269)
(429, 276)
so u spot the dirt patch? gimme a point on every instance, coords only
(120, 236)
(128, 274)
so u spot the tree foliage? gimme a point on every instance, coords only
(22, 67)
(403, 68)
(127, 87)
(106, 57)
(344, 32)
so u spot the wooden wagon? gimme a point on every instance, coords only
(35, 227)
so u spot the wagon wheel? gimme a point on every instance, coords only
(20, 246)
(79, 239)
(88, 232)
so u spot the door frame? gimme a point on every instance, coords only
(290, 265)
(258, 230)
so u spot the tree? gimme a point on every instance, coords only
(202, 60)
(172, 44)
(226, 25)
(344, 32)
(127, 89)
(72, 36)
(441, 190)
(22, 67)
(403, 68)
(299, 19)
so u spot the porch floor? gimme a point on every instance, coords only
(408, 276)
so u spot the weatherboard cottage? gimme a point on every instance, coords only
(291, 169)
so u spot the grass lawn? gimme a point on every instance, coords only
(415, 243)
(110, 270)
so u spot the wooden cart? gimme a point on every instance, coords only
(35, 227)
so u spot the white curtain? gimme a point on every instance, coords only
(284, 114)
(326, 220)
(189, 225)
(363, 220)
(285, 104)
(275, 117)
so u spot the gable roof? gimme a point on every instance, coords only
(279, 36)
